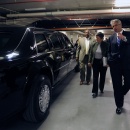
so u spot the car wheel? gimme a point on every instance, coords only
(39, 100)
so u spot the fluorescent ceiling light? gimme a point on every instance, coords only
(122, 3)
(35, 9)
(120, 10)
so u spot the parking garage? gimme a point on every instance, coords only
(73, 107)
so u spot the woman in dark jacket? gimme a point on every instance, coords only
(98, 53)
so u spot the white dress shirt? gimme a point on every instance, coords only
(87, 45)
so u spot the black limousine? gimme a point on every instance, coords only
(32, 62)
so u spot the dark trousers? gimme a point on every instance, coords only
(98, 69)
(121, 82)
(85, 70)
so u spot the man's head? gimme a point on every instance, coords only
(116, 25)
(87, 33)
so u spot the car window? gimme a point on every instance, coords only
(4, 38)
(41, 43)
(67, 42)
(9, 40)
(55, 40)
(62, 40)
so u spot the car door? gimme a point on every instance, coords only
(46, 53)
(60, 61)
(70, 52)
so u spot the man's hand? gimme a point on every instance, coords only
(122, 37)
(89, 64)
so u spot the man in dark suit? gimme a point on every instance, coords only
(119, 62)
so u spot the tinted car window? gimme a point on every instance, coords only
(67, 41)
(60, 35)
(55, 40)
(48, 36)
(4, 38)
(41, 43)
(9, 40)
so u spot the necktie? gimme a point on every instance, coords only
(118, 41)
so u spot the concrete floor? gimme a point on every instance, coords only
(75, 109)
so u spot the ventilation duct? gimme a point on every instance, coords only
(108, 12)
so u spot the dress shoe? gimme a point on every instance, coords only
(101, 92)
(118, 110)
(88, 82)
(94, 95)
(81, 83)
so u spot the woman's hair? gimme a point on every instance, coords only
(100, 34)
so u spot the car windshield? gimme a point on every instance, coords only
(9, 40)
(4, 38)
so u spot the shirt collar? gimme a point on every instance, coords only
(120, 32)
(88, 38)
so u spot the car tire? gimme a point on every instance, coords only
(39, 100)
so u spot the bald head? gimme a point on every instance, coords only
(87, 33)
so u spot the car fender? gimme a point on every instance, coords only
(37, 68)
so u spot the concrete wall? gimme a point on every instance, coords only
(73, 36)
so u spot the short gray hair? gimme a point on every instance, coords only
(115, 21)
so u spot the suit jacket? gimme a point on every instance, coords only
(81, 49)
(104, 50)
(119, 54)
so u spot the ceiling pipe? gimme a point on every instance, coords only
(72, 13)
(82, 28)
(12, 11)
(1, 17)
(24, 2)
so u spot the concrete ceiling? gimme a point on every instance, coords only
(64, 14)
